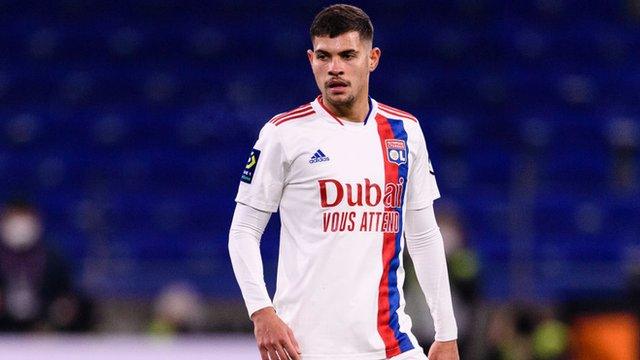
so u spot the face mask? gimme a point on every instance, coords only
(452, 236)
(20, 232)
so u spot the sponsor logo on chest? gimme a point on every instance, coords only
(359, 199)
(333, 193)
(318, 156)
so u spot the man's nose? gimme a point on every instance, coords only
(335, 68)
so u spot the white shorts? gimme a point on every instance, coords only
(415, 354)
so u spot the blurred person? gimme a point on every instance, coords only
(463, 265)
(523, 332)
(177, 310)
(464, 270)
(349, 176)
(36, 292)
(509, 334)
(603, 325)
(462, 260)
(607, 335)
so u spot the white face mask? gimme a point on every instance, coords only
(452, 236)
(20, 232)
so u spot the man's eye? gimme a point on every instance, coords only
(321, 56)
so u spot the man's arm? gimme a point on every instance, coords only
(247, 227)
(275, 339)
(425, 245)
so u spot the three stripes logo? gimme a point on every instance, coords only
(319, 156)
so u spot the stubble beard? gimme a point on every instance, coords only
(347, 103)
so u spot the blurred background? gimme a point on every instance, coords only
(125, 125)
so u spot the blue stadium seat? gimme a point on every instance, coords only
(130, 124)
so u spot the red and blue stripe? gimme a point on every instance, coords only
(396, 342)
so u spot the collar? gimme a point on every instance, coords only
(319, 105)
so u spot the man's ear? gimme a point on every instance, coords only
(374, 58)
(310, 55)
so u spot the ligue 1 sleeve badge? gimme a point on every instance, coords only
(250, 167)
(396, 151)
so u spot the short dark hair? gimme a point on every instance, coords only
(21, 205)
(339, 19)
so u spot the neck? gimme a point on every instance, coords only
(355, 112)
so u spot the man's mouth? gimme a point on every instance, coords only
(336, 86)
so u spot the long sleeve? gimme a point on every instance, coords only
(247, 227)
(426, 249)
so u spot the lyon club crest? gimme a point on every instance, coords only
(396, 151)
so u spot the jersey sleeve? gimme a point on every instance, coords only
(263, 177)
(422, 188)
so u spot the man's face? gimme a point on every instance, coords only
(341, 66)
(20, 229)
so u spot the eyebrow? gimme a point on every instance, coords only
(341, 53)
(348, 52)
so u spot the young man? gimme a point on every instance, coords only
(349, 176)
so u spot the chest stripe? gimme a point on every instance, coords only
(396, 342)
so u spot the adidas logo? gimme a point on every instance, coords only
(319, 156)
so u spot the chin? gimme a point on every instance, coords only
(340, 100)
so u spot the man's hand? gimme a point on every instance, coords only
(444, 350)
(275, 339)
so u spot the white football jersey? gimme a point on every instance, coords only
(342, 189)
